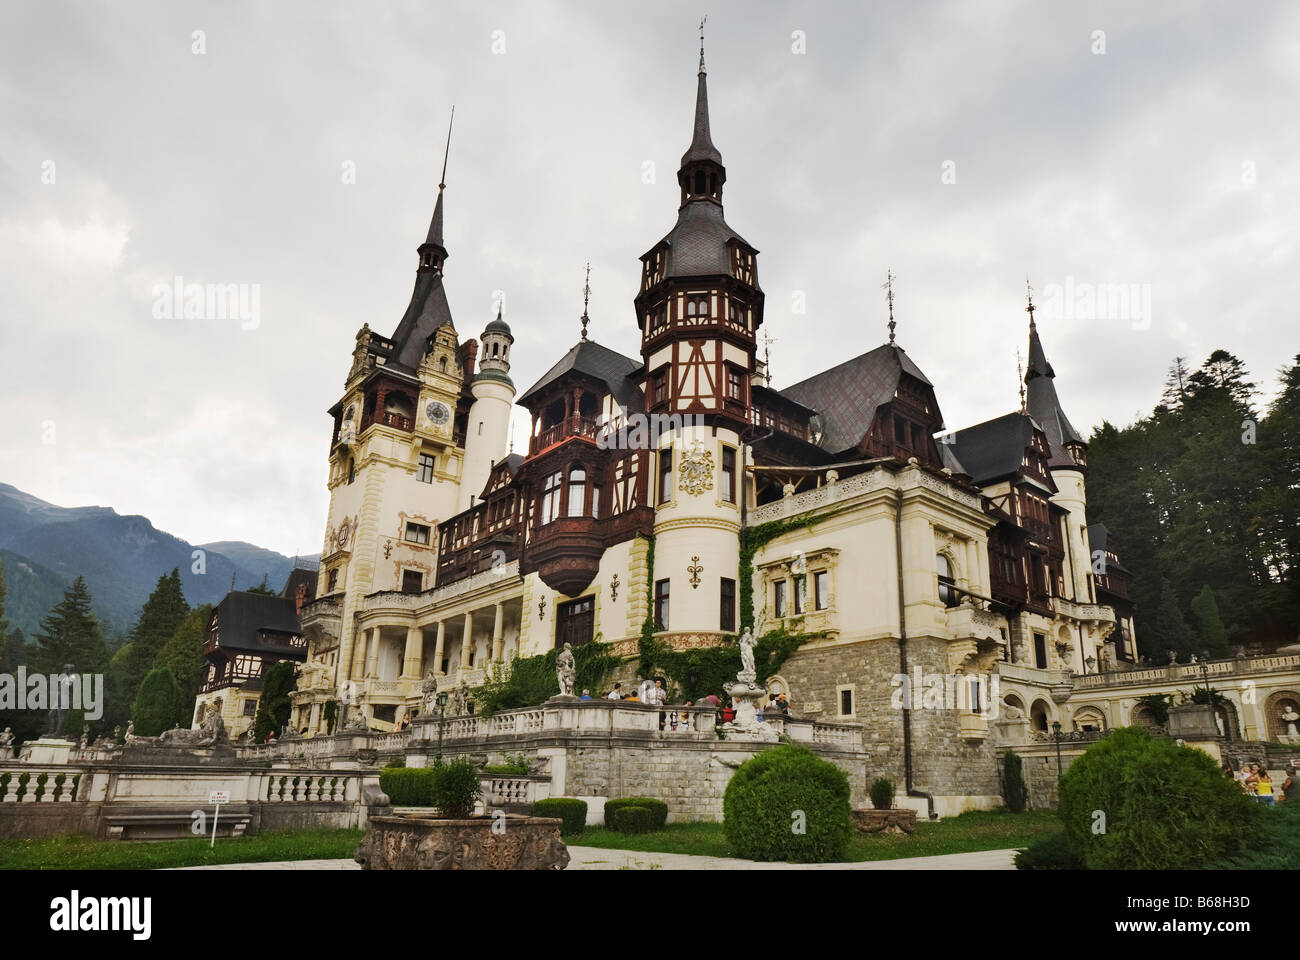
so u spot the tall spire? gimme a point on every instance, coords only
(1020, 380)
(586, 295)
(703, 20)
(1065, 443)
(701, 174)
(433, 252)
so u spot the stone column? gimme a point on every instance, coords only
(439, 649)
(313, 725)
(413, 653)
(372, 655)
(467, 639)
(359, 656)
(498, 640)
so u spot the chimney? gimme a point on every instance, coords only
(468, 356)
(300, 597)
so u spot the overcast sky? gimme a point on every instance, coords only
(965, 146)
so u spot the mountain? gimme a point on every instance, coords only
(45, 547)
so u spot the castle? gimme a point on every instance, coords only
(680, 486)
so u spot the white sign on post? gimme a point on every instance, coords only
(216, 798)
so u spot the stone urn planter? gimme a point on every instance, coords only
(423, 842)
(893, 820)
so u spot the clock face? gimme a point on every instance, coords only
(437, 412)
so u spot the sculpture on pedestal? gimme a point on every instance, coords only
(460, 699)
(747, 695)
(61, 697)
(429, 687)
(566, 671)
(7, 744)
(1290, 717)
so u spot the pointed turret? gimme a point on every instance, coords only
(702, 174)
(1066, 443)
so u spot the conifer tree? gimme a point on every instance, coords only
(161, 614)
(183, 655)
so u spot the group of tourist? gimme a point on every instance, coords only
(654, 693)
(1257, 783)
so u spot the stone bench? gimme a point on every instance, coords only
(139, 822)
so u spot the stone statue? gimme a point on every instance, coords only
(85, 735)
(460, 699)
(117, 733)
(61, 696)
(7, 744)
(746, 656)
(429, 687)
(130, 731)
(1289, 717)
(566, 670)
(357, 722)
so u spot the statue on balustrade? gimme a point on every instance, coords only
(747, 656)
(460, 699)
(566, 671)
(7, 744)
(61, 699)
(429, 687)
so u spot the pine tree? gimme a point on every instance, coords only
(161, 614)
(274, 707)
(183, 654)
(71, 634)
(158, 706)
(263, 587)
(1210, 628)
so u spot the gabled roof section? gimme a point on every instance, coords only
(994, 449)
(601, 363)
(847, 396)
(241, 615)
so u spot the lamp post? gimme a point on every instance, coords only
(442, 709)
(1056, 735)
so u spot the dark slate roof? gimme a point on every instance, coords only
(698, 243)
(427, 312)
(1100, 538)
(1045, 407)
(242, 614)
(499, 325)
(847, 396)
(590, 358)
(994, 449)
(701, 147)
(296, 576)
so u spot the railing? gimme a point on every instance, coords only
(39, 785)
(1207, 670)
(514, 791)
(1082, 611)
(570, 426)
(388, 419)
(1075, 736)
(338, 787)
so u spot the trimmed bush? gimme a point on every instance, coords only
(1049, 852)
(882, 794)
(408, 786)
(633, 819)
(572, 811)
(456, 788)
(1165, 807)
(1278, 847)
(1014, 792)
(658, 809)
(787, 804)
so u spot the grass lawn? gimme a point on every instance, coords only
(86, 853)
(979, 830)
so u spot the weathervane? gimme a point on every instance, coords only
(888, 287)
(1029, 291)
(703, 20)
(767, 356)
(586, 295)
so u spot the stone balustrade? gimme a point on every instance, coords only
(335, 786)
(518, 791)
(1195, 672)
(23, 783)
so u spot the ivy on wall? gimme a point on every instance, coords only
(753, 539)
(693, 674)
(530, 681)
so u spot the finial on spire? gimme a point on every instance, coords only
(1020, 379)
(703, 20)
(768, 340)
(888, 287)
(1030, 297)
(586, 295)
(442, 181)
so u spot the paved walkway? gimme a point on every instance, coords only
(599, 858)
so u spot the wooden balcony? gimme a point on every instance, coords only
(571, 426)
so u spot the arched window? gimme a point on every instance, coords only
(577, 491)
(352, 469)
(690, 308)
(947, 585)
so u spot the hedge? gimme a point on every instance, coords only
(633, 819)
(572, 811)
(408, 786)
(1132, 802)
(1051, 851)
(658, 809)
(787, 804)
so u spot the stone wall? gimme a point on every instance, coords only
(21, 820)
(943, 763)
